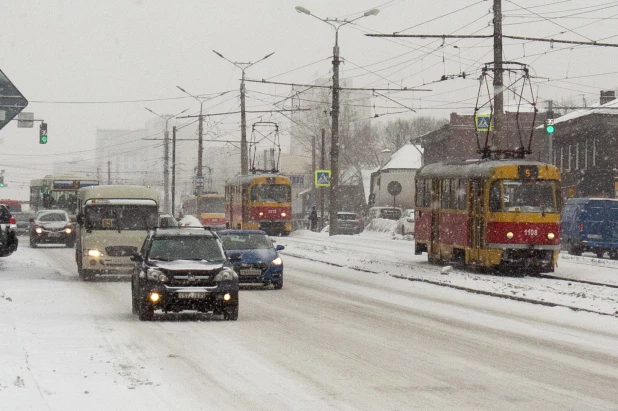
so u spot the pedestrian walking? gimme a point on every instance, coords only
(313, 218)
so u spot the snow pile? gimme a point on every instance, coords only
(381, 225)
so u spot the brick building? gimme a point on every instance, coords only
(585, 149)
(457, 140)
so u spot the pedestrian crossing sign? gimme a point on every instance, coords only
(322, 178)
(483, 122)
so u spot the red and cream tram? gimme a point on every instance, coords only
(502, 214)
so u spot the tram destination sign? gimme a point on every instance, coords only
(527, 172)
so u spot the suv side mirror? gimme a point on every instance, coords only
(137, 257)
(80, 219)
(279, 247)
(31, 220)
(235, 257)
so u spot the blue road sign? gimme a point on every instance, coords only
(322, 178)
(483, 122)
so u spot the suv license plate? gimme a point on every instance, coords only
(54, 234)
(251, 271)
(192, 295)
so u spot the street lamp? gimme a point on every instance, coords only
(244, 157)
(166, 155)
(200, 147)
(334, 146)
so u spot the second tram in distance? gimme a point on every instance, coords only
(259, 202)
(502, 214)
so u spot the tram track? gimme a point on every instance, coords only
(375, 263)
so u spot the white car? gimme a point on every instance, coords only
(405, 225)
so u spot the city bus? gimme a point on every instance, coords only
(209, 208)
(58, 192)
(112, 223)
(259, 202)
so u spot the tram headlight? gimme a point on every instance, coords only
(283, 214)
(510, 235)
(261, 214)
(550, 236)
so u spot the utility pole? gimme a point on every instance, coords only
(313, 164)
(109, 173)
(500, 140)
(199, 179)
(244, 152)
(550, 115)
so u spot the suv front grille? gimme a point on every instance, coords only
(120, 250)
(191, 278)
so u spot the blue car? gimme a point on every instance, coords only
(254, 257)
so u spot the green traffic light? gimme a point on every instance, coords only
(43, 140)
(549, 128)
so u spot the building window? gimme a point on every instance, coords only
(586, 155)
(577, 156)
(570, 158)
(594, 153)
(561, 158)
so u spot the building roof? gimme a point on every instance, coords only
(607, 108)
(407, 156)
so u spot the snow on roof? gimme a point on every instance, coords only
(407, 156)
(610, 108)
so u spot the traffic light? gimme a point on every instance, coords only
(2, 180)
(549, 126)
(43, 134)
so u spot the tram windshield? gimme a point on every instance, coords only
(272, 193)
(534, 196)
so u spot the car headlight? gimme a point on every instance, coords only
(94, 253)
(277, 261)
(38, 230)
(156, 275)
(225, 275)
(509, 235)
(68, 230)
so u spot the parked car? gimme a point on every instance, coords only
(22, 222)
(405, 225)
(52, 227)
(183, 268)
(8, 236)
(257, 259)
(349, 223)
(590, 224)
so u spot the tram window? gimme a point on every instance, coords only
(446, 185)
(495, 202)
(452, 195)
(427, 196)
(420, 188)
(461, 195)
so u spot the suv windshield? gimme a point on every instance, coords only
(246, 241)
(186, 248)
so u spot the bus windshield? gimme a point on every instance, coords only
(534, 196)
(271, 193)
(121, 217)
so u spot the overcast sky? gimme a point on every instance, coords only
(79, 62)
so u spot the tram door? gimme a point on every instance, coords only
(435, 219)
(476, 218)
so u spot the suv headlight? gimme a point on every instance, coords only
(277, 261)
(225, 275)
(94, 253)
(38, 230)
(156, 275)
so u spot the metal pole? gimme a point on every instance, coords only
(166, 171)
(244, 158)
(334, 147)
(550, 115)
(109, 172)
(313, 164)
(173, 169)
(321, 192)
(200, 149)
(500, 140)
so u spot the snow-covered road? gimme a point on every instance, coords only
(334, 338)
